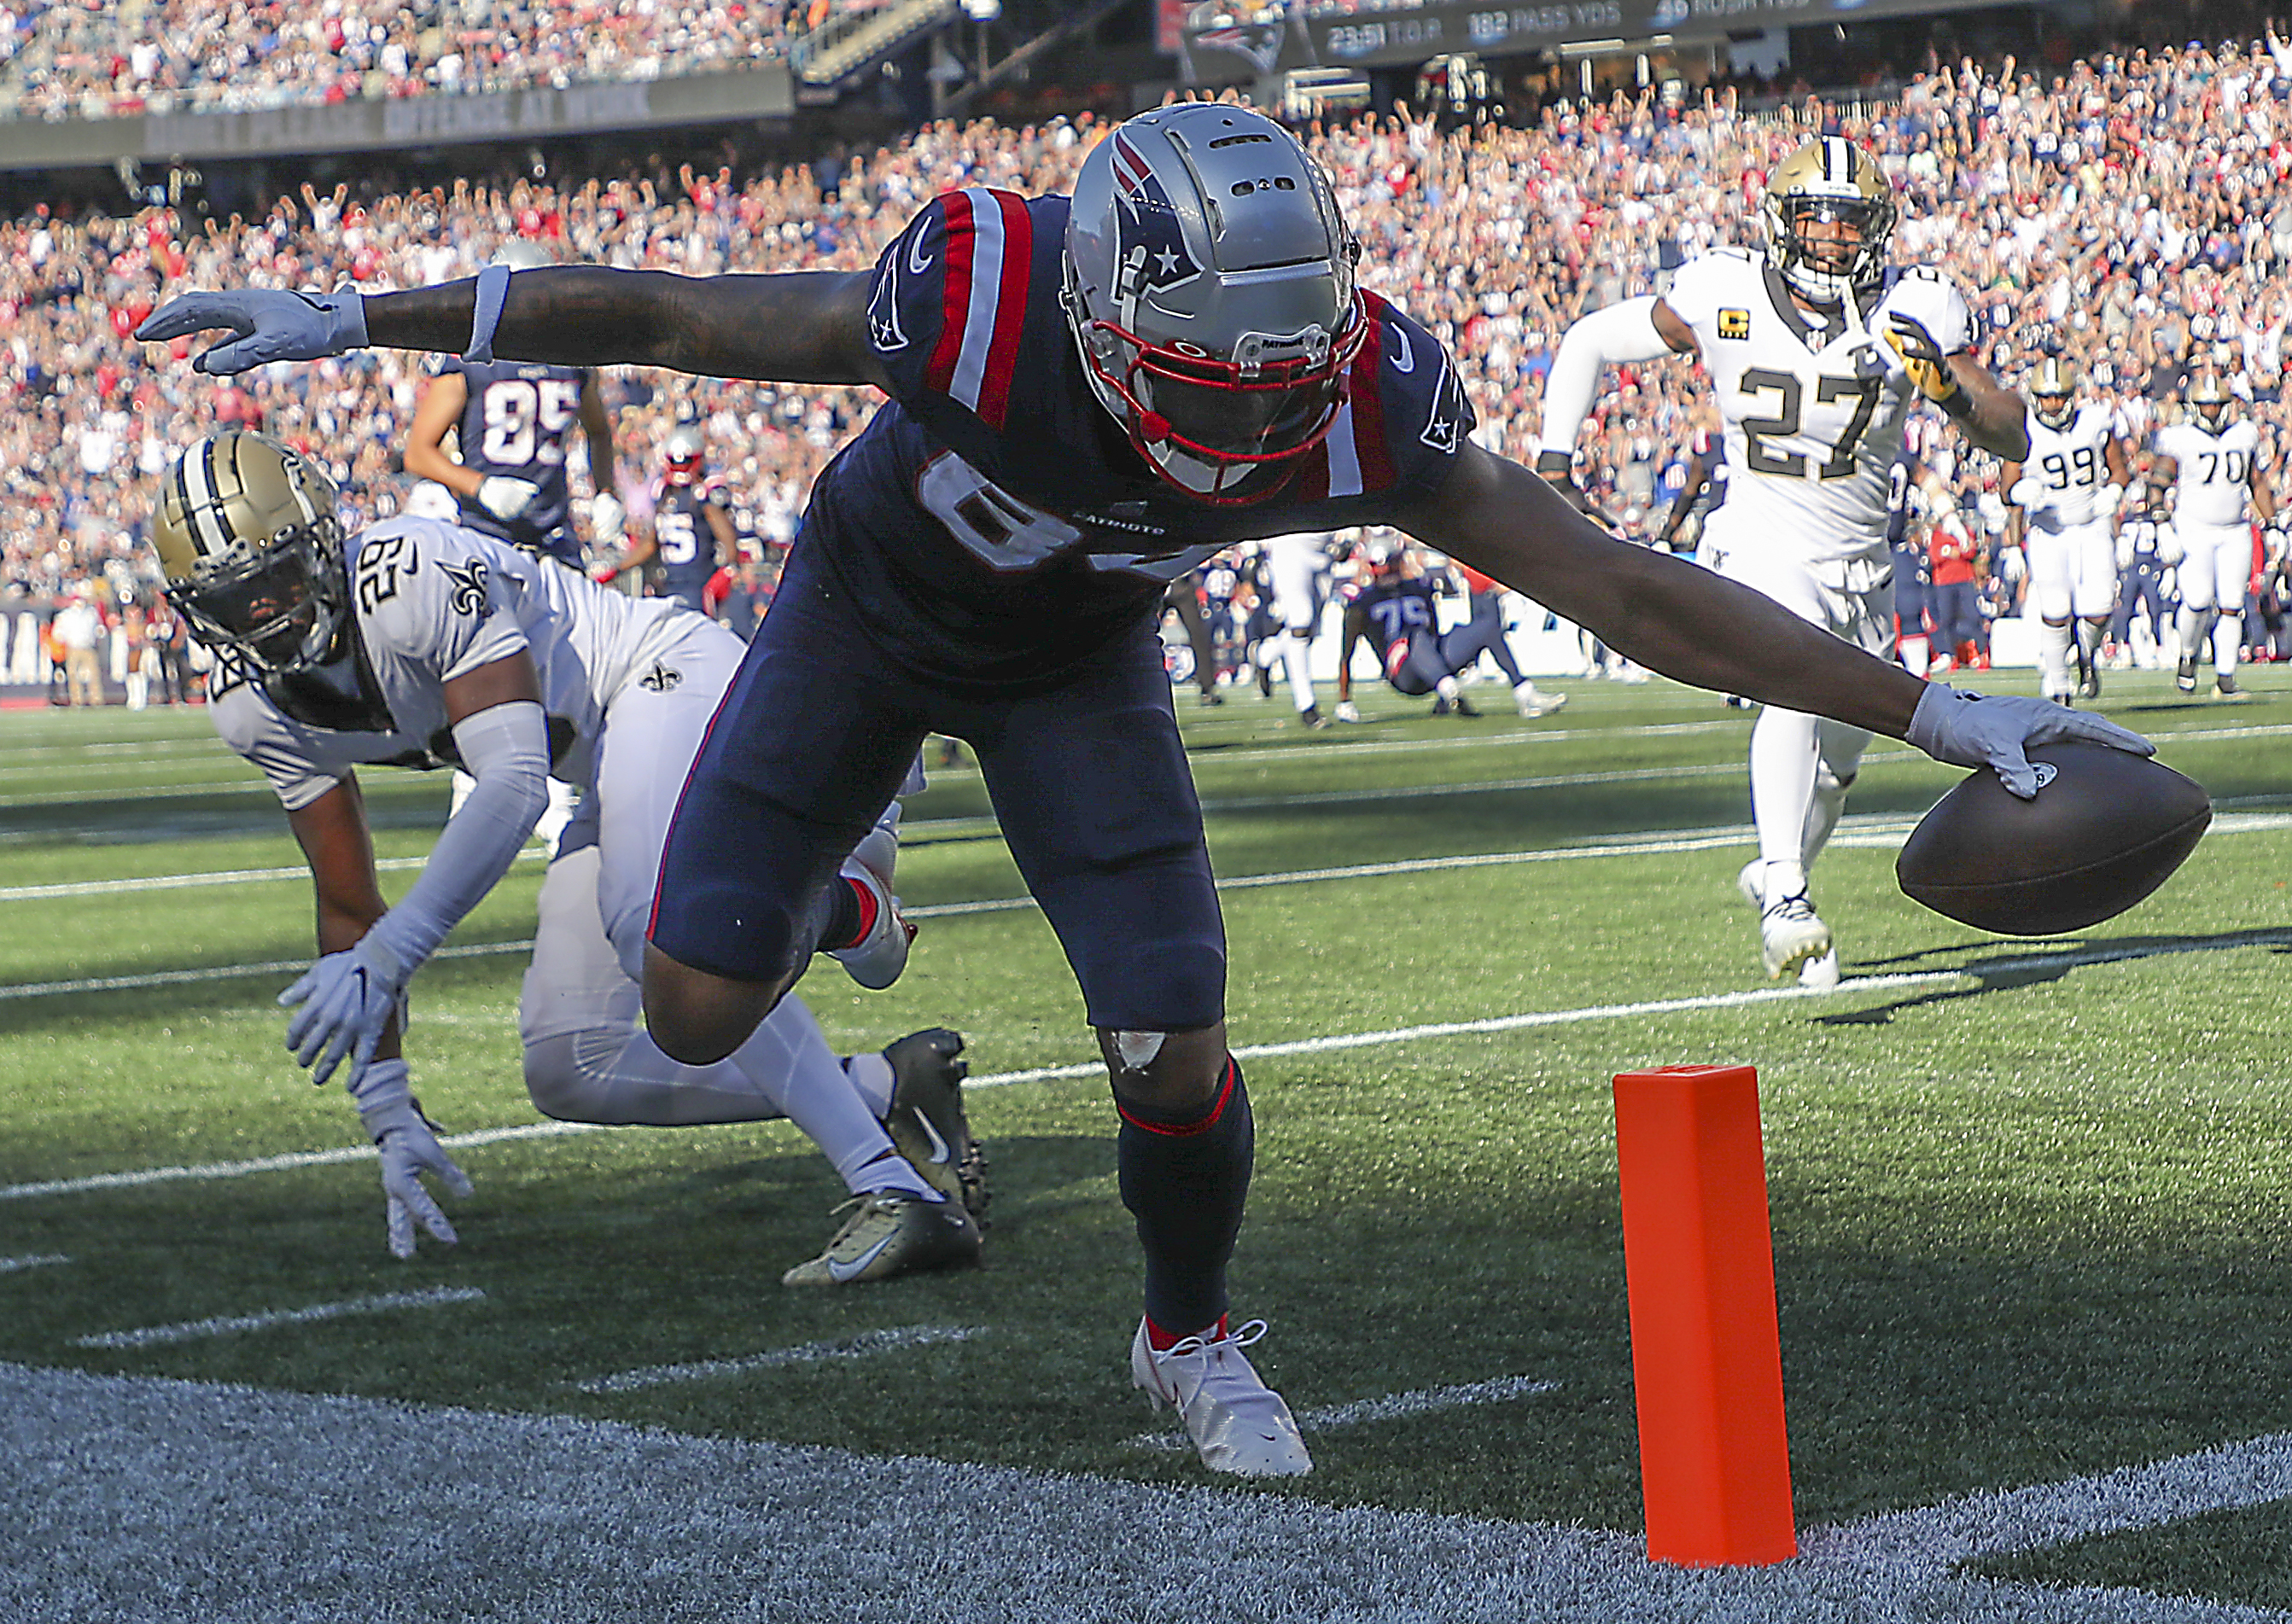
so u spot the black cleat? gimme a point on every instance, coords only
(1311, 717)
(2185, 678)
(1465, 707)
(926, 1121)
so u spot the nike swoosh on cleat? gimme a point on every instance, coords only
(940, 1154)
(842, 1272)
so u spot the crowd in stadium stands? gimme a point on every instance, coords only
(98, 59)
(2131, 211)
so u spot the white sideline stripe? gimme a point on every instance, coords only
(12, 1265)
(113, 1479)
(1850, 985)
(226, 972)
(191, 1331)
(286, 1163)
(1392, 1407)
(227, 876)
(866, 1345)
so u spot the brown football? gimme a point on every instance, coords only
(2107, 828)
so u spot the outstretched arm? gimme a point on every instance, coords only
(1698, 627)
(799, 327)
(1663, 612)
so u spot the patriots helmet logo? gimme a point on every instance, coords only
(1152, 255)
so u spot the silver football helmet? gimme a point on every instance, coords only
(2209, 399)
(1209, 284)
(682, 456)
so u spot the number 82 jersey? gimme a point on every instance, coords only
(1812, 413)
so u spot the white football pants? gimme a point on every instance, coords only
(1301, 585)
(2215, 563)
(588, 1056)
(2073, 572)
(1802, 765)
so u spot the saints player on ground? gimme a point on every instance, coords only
(416, 643)
(2214, 463)
(2065, 495)
(1816, 350)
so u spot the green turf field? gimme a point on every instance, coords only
(2029, 1200)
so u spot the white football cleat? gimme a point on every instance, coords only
(878, 957)
(1348, 712)
(1533, 701)
(1237, 1422)
(1789, 934)
(1822, 973)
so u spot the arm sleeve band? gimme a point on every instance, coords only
(493, 288)
(506, 748)
(1622, 332)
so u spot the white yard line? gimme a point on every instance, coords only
(404, 1510)
(227, 876)
(43, 1260)
(1855, 985)
(193, 1331)
(866, 1345)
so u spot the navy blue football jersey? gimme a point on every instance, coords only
(685, 541)
(515, 423)
(1395, 608)
(994, 519)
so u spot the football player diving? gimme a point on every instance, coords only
(418, 643)
(1816, 349)
(1088, 398)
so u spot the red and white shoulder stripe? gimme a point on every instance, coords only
(990, 242)
(1355, 459)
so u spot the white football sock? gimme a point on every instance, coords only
(1296, 657)
(1916, 655)
(1783, 762)
(871, 1073)
(2053, 658)
(2228, 640)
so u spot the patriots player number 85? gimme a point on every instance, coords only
(514, 407)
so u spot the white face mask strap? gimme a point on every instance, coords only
(493, 289)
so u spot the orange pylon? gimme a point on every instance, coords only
(1706, 1355)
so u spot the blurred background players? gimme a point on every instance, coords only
(2065, 494)
(692, 530)
(513, 424)
(2138, 626)
(2213, 459)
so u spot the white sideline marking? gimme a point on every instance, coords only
(1392, 1407)
(404, 1510)
(226, 972)
(191, 1331)
(11, 1265)
(227, 876)
(866, 1345)
(1989, 969)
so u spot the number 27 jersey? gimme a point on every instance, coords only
(1812, 416)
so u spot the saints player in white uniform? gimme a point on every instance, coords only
(1815, 349)
(417, 643)
(2066, 495)
(2214, 465)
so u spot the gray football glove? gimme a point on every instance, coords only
(346, 1000)
(408, 1141)
(1994, 730)
(271, 325)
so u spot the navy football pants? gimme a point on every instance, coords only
(1089, 780)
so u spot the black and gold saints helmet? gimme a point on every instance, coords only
(247, 532)
(1829, 179)
(2052, 392)
(2209, 398)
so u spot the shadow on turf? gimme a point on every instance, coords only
(2015, 965)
